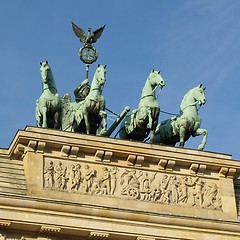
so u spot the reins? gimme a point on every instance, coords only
(150, 94)
(193, 104)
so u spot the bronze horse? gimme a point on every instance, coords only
(141, 121)
(48, 105)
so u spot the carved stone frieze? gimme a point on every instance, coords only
(120, 182)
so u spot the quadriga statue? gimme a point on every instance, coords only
(180, 128)
(48, 105)
(141, 121)
(86, 114)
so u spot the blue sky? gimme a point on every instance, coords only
(191, 42)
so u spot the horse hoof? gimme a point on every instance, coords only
(181, 145)
(200, 147)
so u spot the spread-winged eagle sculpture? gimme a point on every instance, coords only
(90, 38)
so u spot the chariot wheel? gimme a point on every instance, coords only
(133, 193)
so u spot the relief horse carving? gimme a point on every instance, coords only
(86, 116)
(180, 128)
(48, 105)
(141, 121)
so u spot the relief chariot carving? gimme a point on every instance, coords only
(133, 184)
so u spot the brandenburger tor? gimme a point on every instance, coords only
(68, 178)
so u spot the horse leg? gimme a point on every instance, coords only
(154, 123)
(38, 118)
(103, 115)
(150, 120)
(44, 117)
(38, 114)
(201, 131)
(87, 124)
(182, 132)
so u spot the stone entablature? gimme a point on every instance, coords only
(95, 166)
(89, 184)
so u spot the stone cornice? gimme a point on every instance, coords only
(134, 153)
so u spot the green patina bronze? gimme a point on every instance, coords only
(82, 91)
(141, 121)
(48, 105)
(87, 53)
(86, 114)
(180, 128)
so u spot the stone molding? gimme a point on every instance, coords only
(98, 235)
(4, 224)
(51, 230)
(134, 153)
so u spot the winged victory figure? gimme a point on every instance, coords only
(89, 38)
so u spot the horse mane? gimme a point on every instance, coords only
(184, 100)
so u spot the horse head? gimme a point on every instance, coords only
(47, 77)
(199, 94)
(100, 74)
(45, 70)
(155, 79)
(193, 97)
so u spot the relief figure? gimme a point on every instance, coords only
(49, 175)
(88, 179)
(60, 176)
(105, 181)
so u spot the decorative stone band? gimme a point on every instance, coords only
(133, 184)
(3, 237)
(145, 238)
(98, 235)
(4, 224)
(49, 230)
